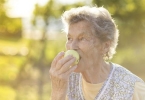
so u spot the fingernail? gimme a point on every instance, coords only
(62, 52)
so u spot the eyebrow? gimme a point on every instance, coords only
(81, 34)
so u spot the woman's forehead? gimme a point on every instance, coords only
(79, 34)
(81, 28)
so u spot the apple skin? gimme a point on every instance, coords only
(74, 54)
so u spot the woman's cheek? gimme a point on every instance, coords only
(87, 45)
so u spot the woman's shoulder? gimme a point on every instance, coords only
(124, 73)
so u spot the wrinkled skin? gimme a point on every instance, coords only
(82, 39)
(59, 74)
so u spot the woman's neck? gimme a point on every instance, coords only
(97, 74)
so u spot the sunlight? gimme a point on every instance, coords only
(22, 8)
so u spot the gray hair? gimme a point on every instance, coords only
(101, 21)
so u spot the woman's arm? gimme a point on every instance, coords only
(59, 73)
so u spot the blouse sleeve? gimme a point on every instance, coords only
(139, 91)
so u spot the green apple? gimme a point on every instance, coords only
(74, 54)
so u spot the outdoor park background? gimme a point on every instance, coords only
(29, 43)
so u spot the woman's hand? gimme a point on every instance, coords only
(59, 73)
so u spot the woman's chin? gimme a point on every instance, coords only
(76, 71)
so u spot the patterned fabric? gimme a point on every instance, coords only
(118, 86)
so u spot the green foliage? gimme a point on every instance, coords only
(9, 27)
(52, 9)
(9, 68)
(7, 93)
(54, 47)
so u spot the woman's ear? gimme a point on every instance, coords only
(106, 46)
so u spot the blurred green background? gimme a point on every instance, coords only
(29, 42)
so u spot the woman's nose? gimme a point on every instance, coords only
(74, 45)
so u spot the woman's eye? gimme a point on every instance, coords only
(69, 38)
(82, 38)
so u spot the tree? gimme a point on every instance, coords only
(9, 27)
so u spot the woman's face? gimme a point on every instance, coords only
(81, 38)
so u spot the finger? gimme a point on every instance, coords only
(65, 76)
(62, 61)
(67, 73)
(58, 57)
(52, 69)
(67, 65)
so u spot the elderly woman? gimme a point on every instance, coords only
(93, 34)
